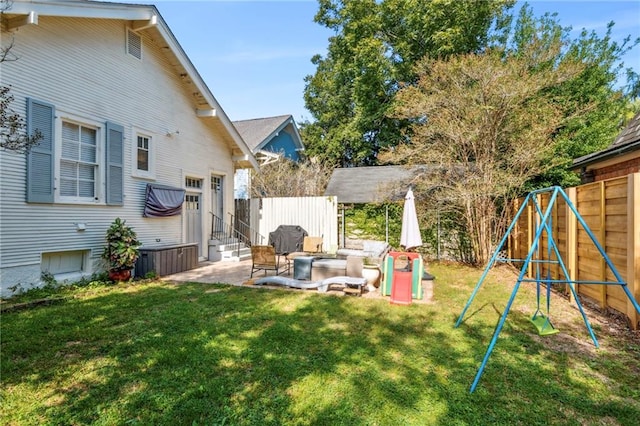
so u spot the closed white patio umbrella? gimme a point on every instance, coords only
(410, 234)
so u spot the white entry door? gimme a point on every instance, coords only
(217, 196)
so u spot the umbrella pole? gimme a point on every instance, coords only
(438, 236)
(387, 223)
(343, 225)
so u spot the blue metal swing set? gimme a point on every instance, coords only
(541, 320)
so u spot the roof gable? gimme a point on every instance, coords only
(141, 18)
(258, 132)
(629, 134)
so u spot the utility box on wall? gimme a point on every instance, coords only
(167, 260)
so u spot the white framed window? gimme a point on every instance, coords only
(216, 183)
(193, 183)
(80, 161)
(143, 155)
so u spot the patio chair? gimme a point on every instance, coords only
(264, 258)
(310, 246)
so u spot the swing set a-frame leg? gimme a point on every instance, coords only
(544, 221)
(527, 260)
(491, 262)
(496, 333)
(553, 246)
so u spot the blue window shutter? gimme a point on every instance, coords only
(115, 164)
(40, 158)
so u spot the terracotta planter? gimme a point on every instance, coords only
(124, 275)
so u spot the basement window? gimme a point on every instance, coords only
(67, 266)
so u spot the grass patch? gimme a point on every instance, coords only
(156, 353)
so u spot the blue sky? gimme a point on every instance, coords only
(254, 55)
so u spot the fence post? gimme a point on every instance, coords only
(633, 245)
(602, 236)
(530, 234)
(556, 237)
(572, 240)
(513, 238)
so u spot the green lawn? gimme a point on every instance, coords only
(154, 353)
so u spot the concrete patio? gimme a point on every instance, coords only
(235, 273)
(238, 274)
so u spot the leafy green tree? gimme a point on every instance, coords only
(584, 130)
(499, 122)
(486, 122)
(372, 53)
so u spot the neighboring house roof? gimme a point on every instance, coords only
(627, 141)
(259, 132)
(145, 18)
(374, 184)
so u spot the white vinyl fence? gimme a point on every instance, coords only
(316, 215)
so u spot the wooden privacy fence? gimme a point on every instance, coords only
(611, 209)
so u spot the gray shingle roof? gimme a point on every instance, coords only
(374, 184)
(627, 140)
(257, 131)
(630, 134)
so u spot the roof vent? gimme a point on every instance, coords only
(134, 44)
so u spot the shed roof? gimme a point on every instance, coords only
(373, 184)
(627, 140)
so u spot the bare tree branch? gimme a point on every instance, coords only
(285, 178)
(13, 129)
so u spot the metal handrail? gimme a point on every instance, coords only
(251, 236)
(236, 234)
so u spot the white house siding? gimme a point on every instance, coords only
(81, 67)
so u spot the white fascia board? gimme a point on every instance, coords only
(215, 109)
(77, 9)
(268, 139)
(296, 136)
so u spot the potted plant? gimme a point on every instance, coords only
(121, 251)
